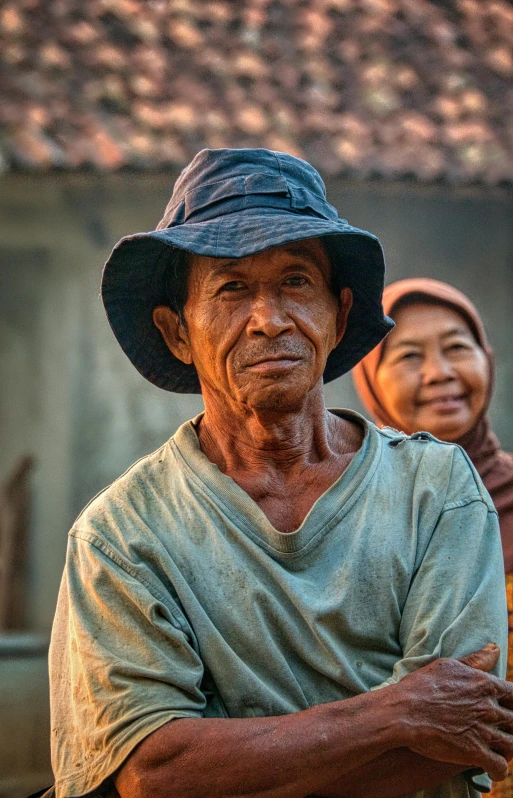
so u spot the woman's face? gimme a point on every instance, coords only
(433, 375)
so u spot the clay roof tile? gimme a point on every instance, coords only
(395, 88)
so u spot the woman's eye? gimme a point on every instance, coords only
(456, 347)
(409, 356)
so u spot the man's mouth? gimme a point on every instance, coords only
(273, 362)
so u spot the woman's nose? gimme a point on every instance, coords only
(269, 317)
(437, 368)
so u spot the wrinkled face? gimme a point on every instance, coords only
(433, 375)
(260, 328)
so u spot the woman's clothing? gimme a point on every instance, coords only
(494, 466)
(504, 789)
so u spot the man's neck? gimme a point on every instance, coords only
(283, 460)
(238, 438)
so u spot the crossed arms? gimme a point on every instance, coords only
(435, 723)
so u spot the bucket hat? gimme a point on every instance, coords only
(230, 203)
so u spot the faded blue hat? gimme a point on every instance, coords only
(229, 204)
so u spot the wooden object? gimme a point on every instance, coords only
(15, 512)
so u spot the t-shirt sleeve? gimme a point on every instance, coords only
(457, 598)
(123, 662)
(456, 603)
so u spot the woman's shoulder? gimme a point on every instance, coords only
(505, 459)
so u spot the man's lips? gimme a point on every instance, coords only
(273, 362)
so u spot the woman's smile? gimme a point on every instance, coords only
(433, 374)
(445, 403)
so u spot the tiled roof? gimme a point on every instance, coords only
(364, 88)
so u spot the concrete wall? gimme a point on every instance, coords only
(24, 716)
(70, 397)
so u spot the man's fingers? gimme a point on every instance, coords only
(506, 697)
(484, 659)
(504, 719)
(495, 765)
(502, 743)
(505, 694)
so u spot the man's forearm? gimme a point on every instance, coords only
(287, 757)
(448, 710)
(393, 774)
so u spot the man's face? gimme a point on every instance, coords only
(259, 329)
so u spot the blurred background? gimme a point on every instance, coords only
(404, 106)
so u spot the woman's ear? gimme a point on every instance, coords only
(345, 305)
(173, 332)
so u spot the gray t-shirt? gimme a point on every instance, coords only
(180, 599)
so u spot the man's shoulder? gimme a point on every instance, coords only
(439, 465)
(131, 500)
(146, 469)
(397, 449)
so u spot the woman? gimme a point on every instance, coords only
(434, 372)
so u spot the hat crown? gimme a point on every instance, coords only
(226, 174)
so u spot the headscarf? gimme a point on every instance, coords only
(494, 466)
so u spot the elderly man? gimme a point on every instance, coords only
(230, 604)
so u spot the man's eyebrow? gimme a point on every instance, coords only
(296, 250)
(219, 268)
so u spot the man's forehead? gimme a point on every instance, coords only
(308, 251)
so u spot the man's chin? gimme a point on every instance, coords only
(284, 396)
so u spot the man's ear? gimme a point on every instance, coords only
(173, 332)
(344, 306)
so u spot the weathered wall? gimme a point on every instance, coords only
(24, 716)
(70, 396)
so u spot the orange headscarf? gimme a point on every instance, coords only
(495, 467)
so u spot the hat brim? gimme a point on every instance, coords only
(133, 284)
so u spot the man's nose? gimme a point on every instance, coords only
(269, 317)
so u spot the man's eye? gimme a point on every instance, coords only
(233, 285)
(296, 280)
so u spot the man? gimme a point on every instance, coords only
(230, 604)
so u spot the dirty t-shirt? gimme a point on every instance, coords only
(180, 599)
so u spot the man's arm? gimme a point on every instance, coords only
(396, 773)
(402, 771)
(445, 711)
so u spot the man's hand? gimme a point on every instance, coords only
(483, 660)
(402, 770)
(452, 713)
(456, 715)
